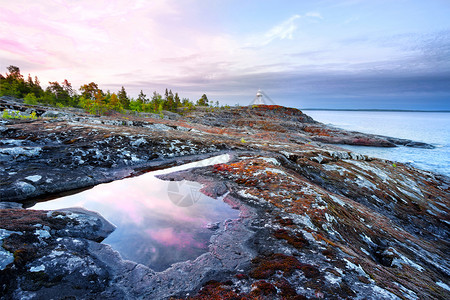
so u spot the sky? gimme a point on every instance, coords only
(392, 54)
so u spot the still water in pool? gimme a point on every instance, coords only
(158, 222)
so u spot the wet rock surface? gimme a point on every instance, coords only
(48, 255)
(316, 221)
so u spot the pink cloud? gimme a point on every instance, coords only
(169, 237)
(13, 46)
(100, 39)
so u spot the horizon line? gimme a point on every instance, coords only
(377, 109)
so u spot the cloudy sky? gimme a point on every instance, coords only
(322, 54)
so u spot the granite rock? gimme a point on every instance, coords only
(316, 220)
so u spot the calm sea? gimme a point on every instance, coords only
(429, 127)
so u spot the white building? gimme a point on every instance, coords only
(261, 98)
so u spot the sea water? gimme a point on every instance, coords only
(429, 127)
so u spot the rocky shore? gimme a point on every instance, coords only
(316, 220)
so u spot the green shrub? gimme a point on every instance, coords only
(31, 99)
(15, 114)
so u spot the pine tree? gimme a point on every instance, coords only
(37, 89)
(156, 100)
(170, 101)
(123, 98)
(142, 98)
(177, 101)
(203, 101)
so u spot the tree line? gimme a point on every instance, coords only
(90, 97)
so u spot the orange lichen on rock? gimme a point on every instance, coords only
(319, 131)
(263, 288)
(320, 237)
(214, 290)
(266, 266)
(295, 239)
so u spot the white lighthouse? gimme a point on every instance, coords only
(261, 98)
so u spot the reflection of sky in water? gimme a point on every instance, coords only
(151, 228)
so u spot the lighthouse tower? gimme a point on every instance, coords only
(261, 98)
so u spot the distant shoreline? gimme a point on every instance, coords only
(375, 110)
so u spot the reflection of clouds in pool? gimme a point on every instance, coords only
(134, 195)
(151, 229)
(170, 237)
(136, 200)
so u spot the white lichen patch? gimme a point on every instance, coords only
(367, 239)
(339, 169)
(244, 194)
(435, 210)
(308, 236)
(337, 200)
(366, 168)
(77, 242)
(6, 257)
(139, 142)
(73, 263)
(412, 185)
(364, 251)
(333, 279)
(319, 158)
(339, 154)
(44, 234)
(403, 260)
(443, 285)
(356, 268)
(377, 199)
(242, 158)
(409, 194)
(383, 294)
(25, 151)
(270, 160)
(55, 253)
(406, 292)
(25, 187)
(287, 154)
(308, 189)
(134, 158)
(304, 220)
(37, 269)
(357, 156)
(363, 182)
(11, 142)
(34, 178)
(329, 218)
(182, 128)
(91, 269)
(277, 171)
